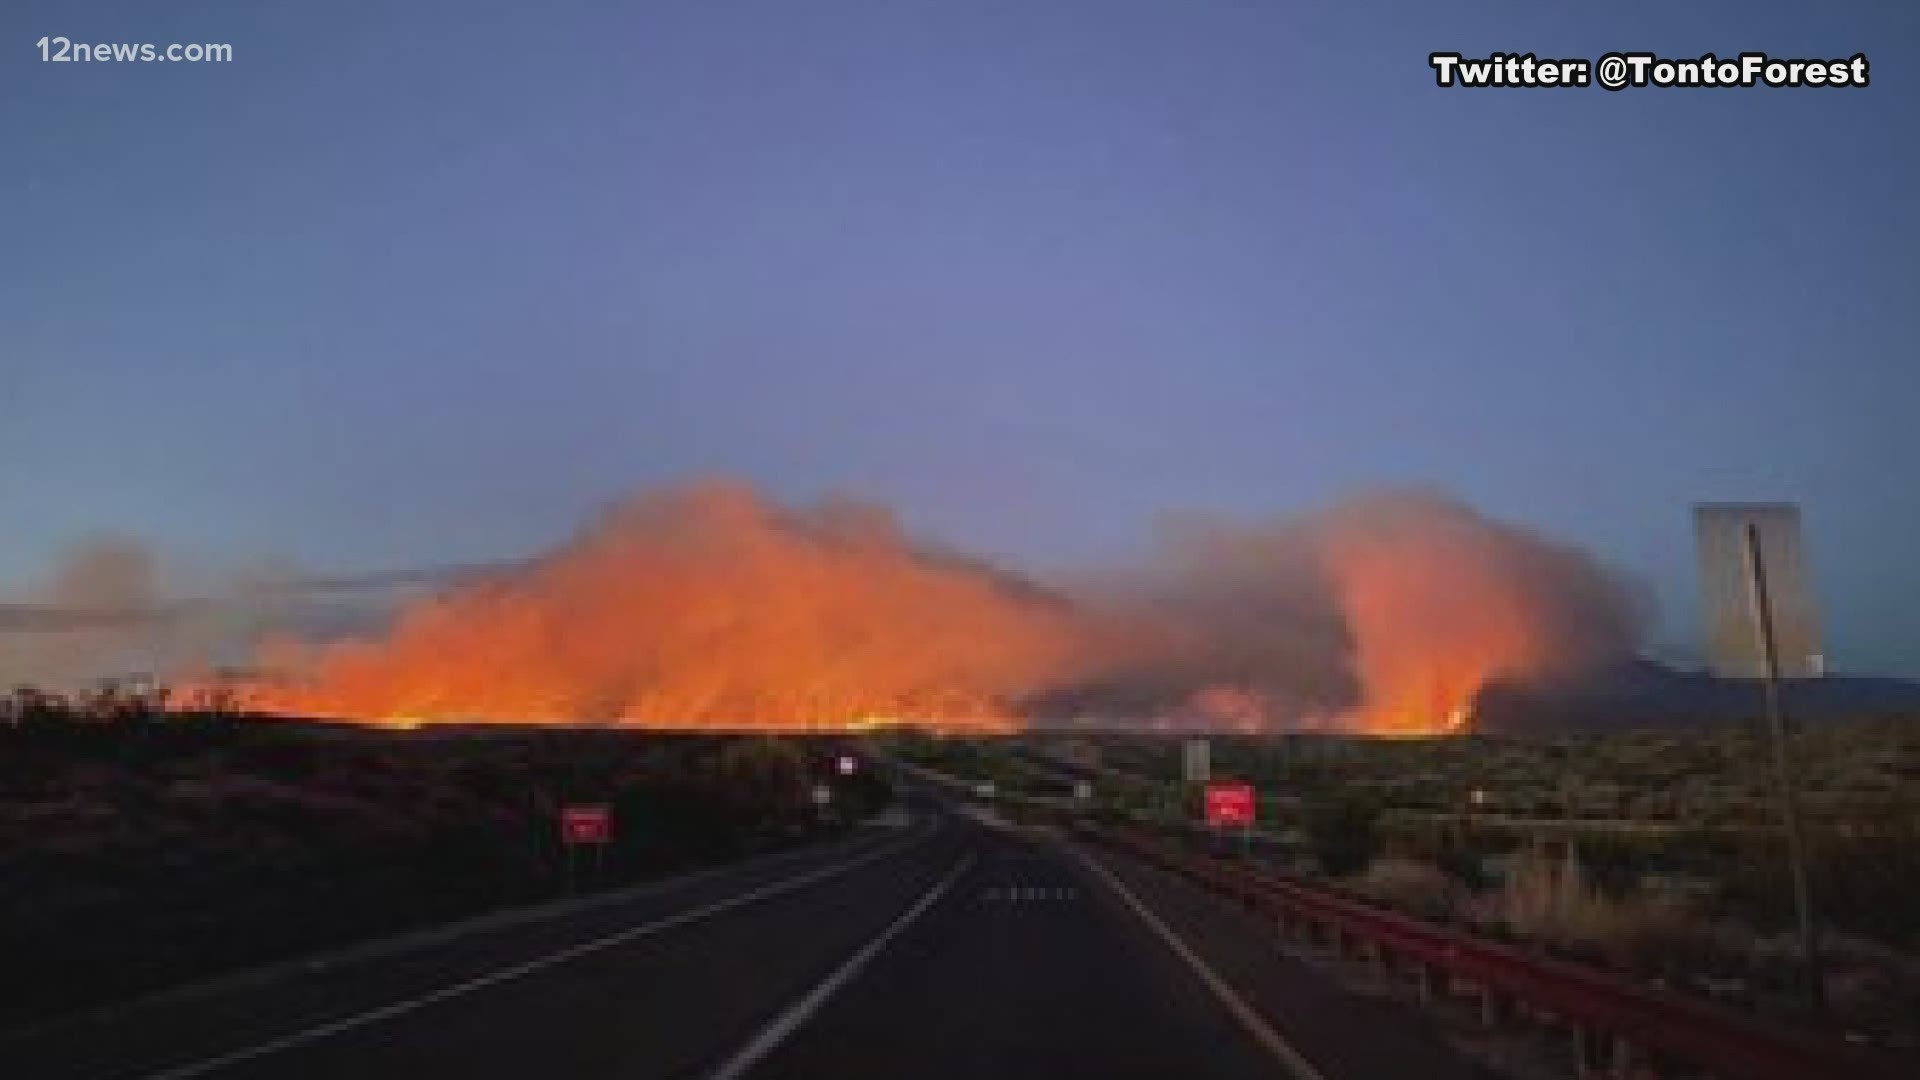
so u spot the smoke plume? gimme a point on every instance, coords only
(106, 581)
(710, 607)
(111, 610)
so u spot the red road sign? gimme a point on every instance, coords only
(591, 824)
(1230, 805)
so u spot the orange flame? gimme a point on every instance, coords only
(1441, 601)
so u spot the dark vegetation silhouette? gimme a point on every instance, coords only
(141, 848)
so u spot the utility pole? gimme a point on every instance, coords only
(1783, 779)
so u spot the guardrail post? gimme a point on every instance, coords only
(1494, 1009)
(1622, 1057)
(1376, 956)
(1428, 979)
(1586, 1046)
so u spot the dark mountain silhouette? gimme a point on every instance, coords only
(1645, 693)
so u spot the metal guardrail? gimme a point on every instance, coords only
(1640, 1021)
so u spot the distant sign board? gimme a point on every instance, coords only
(1196, 762)
(588, 824)
(1729, 536)
(1230, 806)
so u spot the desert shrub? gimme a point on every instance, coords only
(1411, 885)
(1552, 900)
(766, 775)
(1871, 987)
(1343, 831)
(135, 857)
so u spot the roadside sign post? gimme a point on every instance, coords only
(585, 825)
(1196, 762)
(1761, 625)
(1783, 779)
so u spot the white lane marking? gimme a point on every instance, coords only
(790, 1018)
(572, 952)
(1256, 1025)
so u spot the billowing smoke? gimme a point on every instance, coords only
(111, 610)
(705, 607)
(1440, 601)
(708, 606)
(107, 584)
(1386, 613)
(1225, 625)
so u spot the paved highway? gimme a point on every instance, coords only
(952, 947)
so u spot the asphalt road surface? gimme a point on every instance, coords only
(952, 946)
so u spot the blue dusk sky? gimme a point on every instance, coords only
(413, 283)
